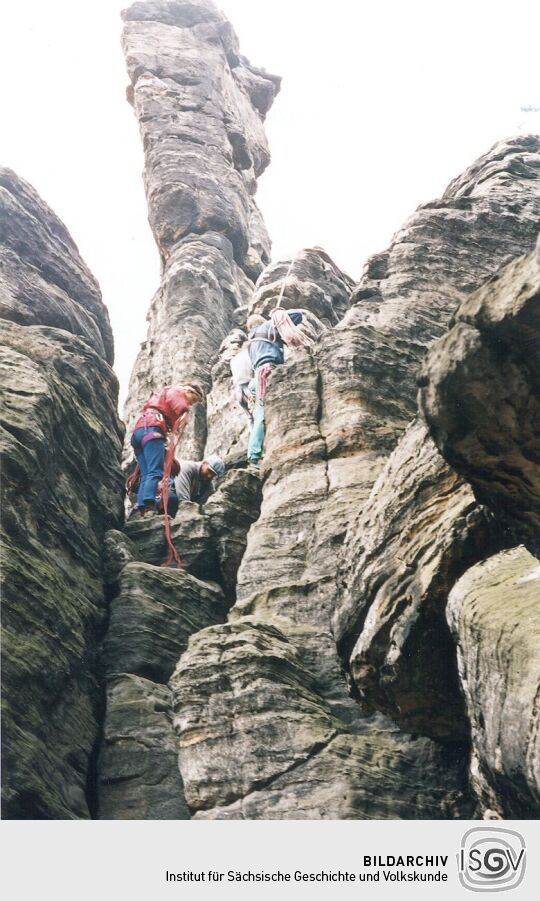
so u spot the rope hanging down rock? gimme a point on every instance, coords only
(176, 434)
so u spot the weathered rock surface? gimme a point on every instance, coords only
(481, 396)
(61, 490)
(152, 616)
(287, 756)
(188, 318)
(231, 510)
(153, 612)
(201, 108)
(227, 423)
(311, 281)
(421, 529)
(138, 776)
(334, 414)
(265, 719)
(486, 217)
(314, 285)
(495, 618)
(286, 582)
(43, 280)
(408, 778)
(191, 535)
(210, 539)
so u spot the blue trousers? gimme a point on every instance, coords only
(256, 436)
(150, 458)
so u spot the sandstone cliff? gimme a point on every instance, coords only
(355, 632)
(333, 690)
(61, 490)
(201, 108)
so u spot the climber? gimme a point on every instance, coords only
(266, 350)
(242, 374)
(165, 412)
(195, 480)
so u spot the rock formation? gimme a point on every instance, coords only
(61, 490)
(319, 606)
(495, 618)
(338, 644)
(201, 108)
(482, 397)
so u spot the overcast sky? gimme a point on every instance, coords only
(383, 102)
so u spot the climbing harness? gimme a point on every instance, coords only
(158, 419)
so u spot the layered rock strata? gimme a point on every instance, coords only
(312, 282)
(262, 707)
(495, 618)
(421, 529)
(138, 772)
(153, 611)
(309, 281)
(44, 280)
(61, 490)
(201, 108)
(486, 217)
(289, 756)
(333, 416)
(481, 397)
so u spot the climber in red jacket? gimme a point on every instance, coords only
(165, 412)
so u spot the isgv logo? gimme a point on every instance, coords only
(491, 860)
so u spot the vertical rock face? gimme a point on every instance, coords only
(316, 667)
(421, 528)
(138, 772)
(61, 489)
(495, 617)
(486, 217)
(201, 108)
(311, 281)
(153, 611)
(333, 415)
(262, 704)
(482, 397)
(43, 279)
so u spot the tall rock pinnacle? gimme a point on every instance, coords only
(201, 108)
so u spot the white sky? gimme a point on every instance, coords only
(382, 103)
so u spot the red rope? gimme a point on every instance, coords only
(131, 483)
(177, 432)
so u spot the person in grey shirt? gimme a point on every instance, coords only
(194, 483)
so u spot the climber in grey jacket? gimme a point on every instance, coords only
(194, 482)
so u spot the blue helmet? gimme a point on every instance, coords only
(216, 464)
